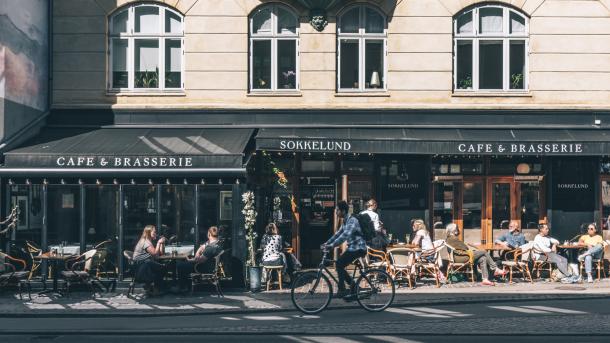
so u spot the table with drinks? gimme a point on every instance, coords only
(57, 258)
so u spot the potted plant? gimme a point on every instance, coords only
(516, 81)
(465, 83)
(249, 212)
(147, 79)
(289, 75)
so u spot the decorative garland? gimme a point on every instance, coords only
(250, 214)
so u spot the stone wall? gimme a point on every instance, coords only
(569, 64)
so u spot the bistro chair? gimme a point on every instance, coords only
(517, 261)
(12, 276)
(598, 264)
(34, 251)
(200, 277)
(103, 270)
(543, 263)
(268, 271)
(78, 271)
(131, 268)
(428, 262)
(402, 265)
(377, 259)
(466, 268)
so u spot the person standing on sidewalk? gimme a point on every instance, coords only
(462, 254)
(351, 232)
(595, 248)
(380, 241)
(548, 246)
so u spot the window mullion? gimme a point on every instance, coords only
(505, 64)
(361, 60)
(475, 64)
(274, 64)
(130, 63)
(161, 77)
(339, 63)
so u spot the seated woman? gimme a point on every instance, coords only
(422, 239)
(146, 269)
(272, 245)
(480, 258)
(595, 248)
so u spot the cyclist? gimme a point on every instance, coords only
(351, 232)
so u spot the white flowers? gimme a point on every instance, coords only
(250, 214)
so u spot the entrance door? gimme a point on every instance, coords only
(501, 207)
(318, 196)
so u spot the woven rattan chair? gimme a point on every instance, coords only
(466, 268)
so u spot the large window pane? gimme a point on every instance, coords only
(147, 19)
(146, 63)
(464, 23)
(261, 22)
(490, 65)
(471, 211)
(29, 200)
(605, 192)
(119, 22)
(178, 213)
(517, 64)
(500, 208)
(374, 21)
(173, 63)
(173, 22)
(349, 50)
(350, 21)
(374, 64)
(444, 197)
(464, 64)
(120, 78)
(101, 224)
(490, 20)
(63, 213)
(139, 209)
(215, 208)
(286, 64)
(261, 64)
(286, 22)
(530, 208)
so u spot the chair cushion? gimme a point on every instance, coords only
(21, 275)
(513, 263)
(68, 274)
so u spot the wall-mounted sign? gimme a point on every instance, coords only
(315, 145)
(123, 162)
(520, 148)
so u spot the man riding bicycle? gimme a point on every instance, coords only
(351, 232)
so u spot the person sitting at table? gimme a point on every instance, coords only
(513, 238)
(146, 268)
(481, 258)
(204, 256)
(422, 239)
(545, 248)
(272, 246)
(594, 244)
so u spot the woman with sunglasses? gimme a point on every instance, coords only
(595, 247)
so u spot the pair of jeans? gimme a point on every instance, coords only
(593, 253)
(343, 261)
(485, 262)
(150, 271)
(560, 261)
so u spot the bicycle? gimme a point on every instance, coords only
(311, 291)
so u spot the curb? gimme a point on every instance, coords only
(161, 313)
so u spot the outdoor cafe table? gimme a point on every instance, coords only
(413, 247)
(173, 259)
(571, 251)
(57, 261)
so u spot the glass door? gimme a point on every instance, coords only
(500, 205)
(472, 211)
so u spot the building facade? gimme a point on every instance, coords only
(448, 110)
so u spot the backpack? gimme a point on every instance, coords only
(367, 227)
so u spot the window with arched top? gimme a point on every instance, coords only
(146, 45)
(490, 49)
(274, 46)
(362, 41)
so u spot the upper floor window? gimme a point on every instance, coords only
(362, 34)
(146, 49)
(274, 46)
(490, 49)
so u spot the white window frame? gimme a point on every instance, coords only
(505, 37)
(131, 36)
(361, 36)
(274, 37)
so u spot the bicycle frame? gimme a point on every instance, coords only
(322, 268)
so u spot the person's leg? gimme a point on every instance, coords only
(561, 262)
(158, 270)
(588, 264)
(482, 263)
(185, 268)
(343, 261)
(490, 262)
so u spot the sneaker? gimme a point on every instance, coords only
(342, 293)
(576, 279)
(589, 278)
(567, 279)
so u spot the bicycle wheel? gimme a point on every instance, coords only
(375, 290)
(309, 294)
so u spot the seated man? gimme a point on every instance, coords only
(205, 254)
(546, 244)
(513, 238)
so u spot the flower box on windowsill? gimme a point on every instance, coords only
(464, 93)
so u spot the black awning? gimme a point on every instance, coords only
(131, 151)
(561, 142)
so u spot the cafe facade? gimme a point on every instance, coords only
(166, 112)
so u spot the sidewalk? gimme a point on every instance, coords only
(118, 304)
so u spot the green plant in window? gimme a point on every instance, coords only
(147, 79)
(516, 81)
(465, 83)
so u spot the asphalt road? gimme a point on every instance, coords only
(562, 321)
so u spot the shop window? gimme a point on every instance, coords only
(140, 208)
(215, 209)
(445, 194)
(456, 167)
(146, 49)
(490, 55)
(102, 224)
(178, 213)
(362, 49)
(274, 40)
(309, 166)
(30, 202)
(63, 216)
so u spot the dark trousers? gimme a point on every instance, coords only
(150, 271)
(343, 261)
(184, 269)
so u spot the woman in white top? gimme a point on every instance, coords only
(146, 269)
(422, 236)
(272, 245)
